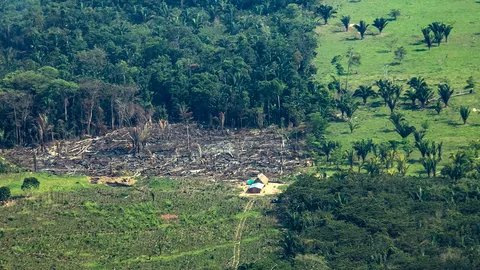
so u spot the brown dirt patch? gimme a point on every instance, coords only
(169, 217)
(113, 181)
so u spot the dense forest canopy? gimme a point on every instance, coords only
(83, 67)
(387, 222)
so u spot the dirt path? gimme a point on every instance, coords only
(238, 235)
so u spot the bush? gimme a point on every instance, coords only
(30, 182)
(4, 194)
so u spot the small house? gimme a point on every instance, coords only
(255, 188)
(261, 178)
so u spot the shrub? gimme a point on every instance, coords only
(30, 182)
(4, 194)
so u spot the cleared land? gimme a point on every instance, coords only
(452, 63)
(105, 227)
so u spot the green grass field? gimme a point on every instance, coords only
(452, 63)
(102, 227)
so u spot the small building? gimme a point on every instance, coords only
(255, 188)
(261, 178)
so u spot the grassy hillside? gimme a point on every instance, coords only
(452, 63)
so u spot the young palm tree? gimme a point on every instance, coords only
(396, 118)
(445, 93)
(404, 129)
(328, 146)
(447, 31)
(372, 166)
(326, 12)
(424, 94)
(361, 28)
(346, 22)
(352, 126)
(380, 24)
(350, 156)
(427, 37)
(464, 113)
(364, 92)
(430, 165)
(411, 94)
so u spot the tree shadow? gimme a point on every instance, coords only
(416, 43)
(454, 124)
(383, 51)
(420, 50)
(382, 115)
(352, 39)
(395, 64)
(388, 130)
(377, 104)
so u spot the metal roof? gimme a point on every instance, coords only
(257, 185)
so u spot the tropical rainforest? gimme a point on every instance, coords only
(72, 68)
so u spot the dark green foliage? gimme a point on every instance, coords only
(460, 164)
(380, 24)
(419, 91)
(361, 28)
(360, 222)
(30, 183)
(326, 12)
(364, 92)
(4, 194)
(400, 53)
(465, 113)
(390, 93)
(394, 13)
(328, 146)
(445, 93)
(102, 65)
(470, 83)
(346, 22)
(428, 37)
(404, 129)
(317, 125)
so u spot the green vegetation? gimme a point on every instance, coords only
(360, 222)
(48, 183)
(4, 194)
(159, 223)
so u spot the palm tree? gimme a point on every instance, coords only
(380, 24)
(404, 129)
(417, 83)
(445, 93)
(361, 28)
(328, 146)
(396, 118)
(411, 94)
(430, 165)
(438, 30)
(424, 94)
(372, 166)
(402, 165)
(427, 37)
(326, 12)
(364, 92)
(418, 135)
(346, 22)
(362, 148)
(352, 126)
(349, 155)
(464, 113)
(447, 31)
